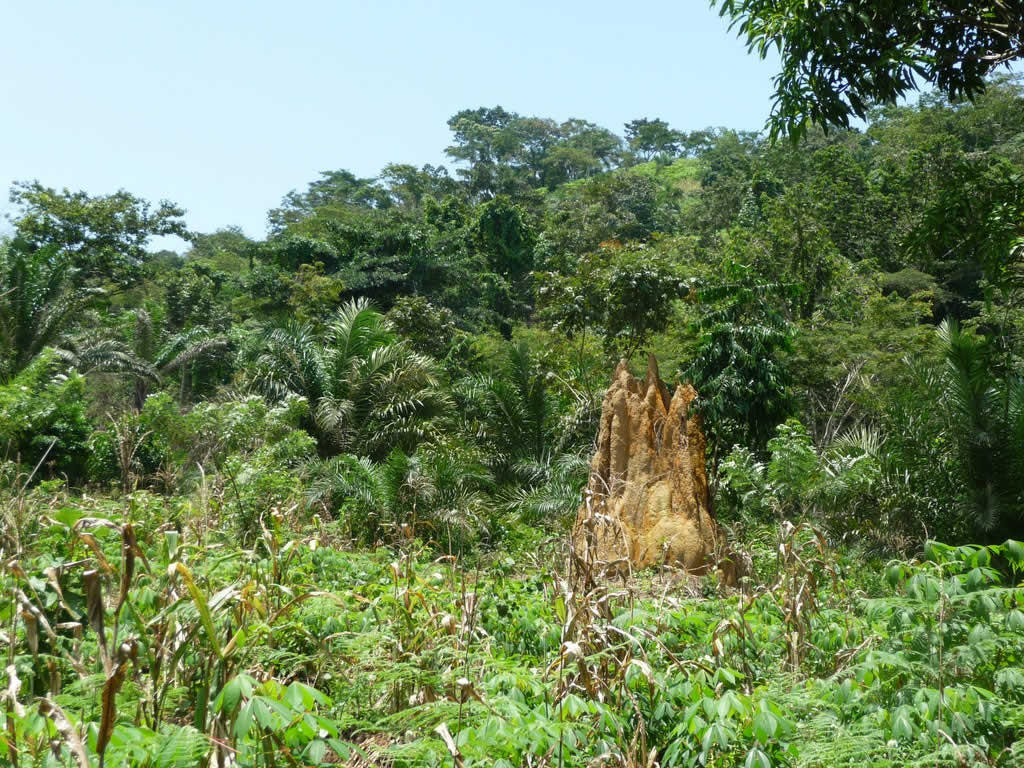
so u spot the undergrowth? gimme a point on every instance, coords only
(132, 641)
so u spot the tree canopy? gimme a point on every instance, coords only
(840, 58)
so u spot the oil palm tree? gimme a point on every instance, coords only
(89, 352)
(183, 352)
(985, 420)
(368, 391)
(958, 438)
(552, 489)
(510, 409)
(39, 303)
(436, 493)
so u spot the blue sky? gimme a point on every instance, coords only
(223, 106)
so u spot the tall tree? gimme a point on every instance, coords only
(40, 301)
(409, 185)
(339, 188)
(103, 237)
(649, 138)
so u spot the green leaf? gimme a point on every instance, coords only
(1014, 552)
(244, 721)
(766, 725)
(261, 711)
(341, 749)
(902, 726)
(67, 516)
(756, 758)
(199, 599)
(316, 751)
(229, 696)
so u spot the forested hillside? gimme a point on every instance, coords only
(305, 499)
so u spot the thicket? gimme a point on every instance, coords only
(303, 499)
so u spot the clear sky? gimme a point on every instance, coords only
(224, 106)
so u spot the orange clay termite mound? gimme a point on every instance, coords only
(647, 499)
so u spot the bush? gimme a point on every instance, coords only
(43, 418)
(836, 484)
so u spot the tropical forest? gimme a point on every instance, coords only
(616, 446)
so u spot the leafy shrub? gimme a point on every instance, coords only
(43, 418)
(838, 484)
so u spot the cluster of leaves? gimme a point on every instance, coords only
(135, 642)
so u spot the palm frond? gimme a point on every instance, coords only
(190, 346)
(89, 355)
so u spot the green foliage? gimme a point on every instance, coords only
(430, 330)
(192, 295)
(294, 649)
(103, 237)
(301, 530)
(437, 494)
(38, 304)
(955, 432)
(622, 294)
(338, 189)
(508, 154)
(648, 139)
(884, 49)
(737, 360)
(838, 484)
(43, 419)
(368, 391)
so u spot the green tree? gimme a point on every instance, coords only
(429, 329)
(977, 221)
(192, 297)
(507, 153)
(582, 150)
(737, 366)
(435, 493)
(486, 140)
(369, 392)
(838, 58)
(43, 418)
(339, 189)
(510, 409)
(648, 139)
(506, 236)
(623, 293)
(103, 238)
(409, 185)
(954, 440)
(40, 302)
(640, 284)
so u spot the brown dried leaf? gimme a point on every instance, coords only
(31, 632)
(55, 678)
(27, 606)
(128, 549)
(449, 742)
(90, 541)
(13, 689)
(94, 609)
(49, 708)
(110, 690)
(12, 709)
